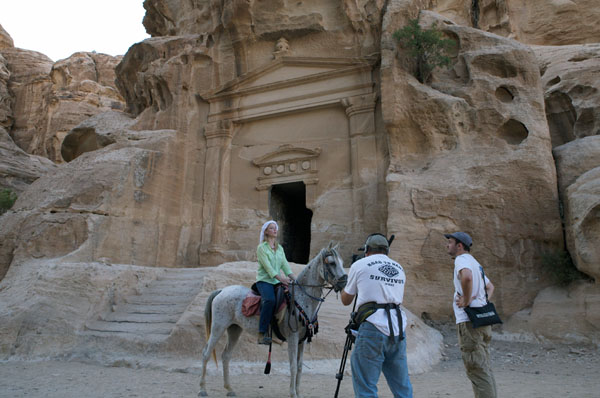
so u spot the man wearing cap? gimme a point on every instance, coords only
(380, 344)
(469, 291)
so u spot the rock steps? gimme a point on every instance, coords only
(152, 314)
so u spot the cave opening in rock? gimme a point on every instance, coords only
(287, 205)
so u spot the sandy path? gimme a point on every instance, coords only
(522, 370)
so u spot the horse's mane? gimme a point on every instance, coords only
(314, 262)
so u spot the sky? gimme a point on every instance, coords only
(59, 28)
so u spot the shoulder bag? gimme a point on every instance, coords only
(486, 315)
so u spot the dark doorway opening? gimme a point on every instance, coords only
(287, 205)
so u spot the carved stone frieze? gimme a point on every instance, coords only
(287, 164)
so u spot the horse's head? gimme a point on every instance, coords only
(333, 267)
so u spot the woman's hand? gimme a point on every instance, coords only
(283, 279)
(291, 278)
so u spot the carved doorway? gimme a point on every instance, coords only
(287, 205)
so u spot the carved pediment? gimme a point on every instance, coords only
(287, 153)
(290, 84)
(287, 164)
(289, 69)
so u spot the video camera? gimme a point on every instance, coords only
(359, 256)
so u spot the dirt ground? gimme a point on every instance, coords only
(522, 370)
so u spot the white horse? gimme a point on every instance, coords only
(223, 312)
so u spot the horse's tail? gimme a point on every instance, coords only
(208, 319)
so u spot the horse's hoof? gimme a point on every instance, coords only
(203, 394)
(231, 394)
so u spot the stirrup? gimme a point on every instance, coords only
(263, 338)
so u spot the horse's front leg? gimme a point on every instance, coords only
(299, 367)
(293, 356)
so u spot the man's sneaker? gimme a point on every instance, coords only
(264, 339)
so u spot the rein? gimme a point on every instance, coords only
(319, 299)
(312, 325)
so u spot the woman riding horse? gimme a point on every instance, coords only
(271, 261)
(223, 313)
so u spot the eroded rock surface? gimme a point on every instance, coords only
(472, 153)
(93, 202)
(189, 181)
(83, 86)
(578, 165)
(30, 88)
(572, 311)
(46, 99)
(582, 219)
(6, 100)
(5, 40)
(555, 22)
(572, 90)
(45, 306)
(540, 22)
(18, 169)
(95, 133)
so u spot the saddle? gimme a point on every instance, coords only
(252, 303)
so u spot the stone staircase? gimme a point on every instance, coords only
(149, 317)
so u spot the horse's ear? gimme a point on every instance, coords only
(337, 245)
(330, 246)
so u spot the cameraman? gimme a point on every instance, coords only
(379, 283)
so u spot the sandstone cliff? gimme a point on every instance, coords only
(528, 21)
(19, 169)
(471, 152)
(40, 100)
(240, 111)
(50, 308)
(572, 96)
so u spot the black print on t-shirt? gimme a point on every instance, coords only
(386, 263)
(387, 281)
(388, 270)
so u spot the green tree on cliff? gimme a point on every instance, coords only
(427, 46)
(7, 199)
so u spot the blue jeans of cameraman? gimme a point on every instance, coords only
(373, 353)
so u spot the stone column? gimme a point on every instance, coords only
(216, 185)
(363, 160)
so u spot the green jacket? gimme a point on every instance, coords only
(270, 263)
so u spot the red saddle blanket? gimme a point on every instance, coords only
(251, 305)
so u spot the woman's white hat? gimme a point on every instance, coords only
(264, 227)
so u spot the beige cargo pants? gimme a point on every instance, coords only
(475, 348)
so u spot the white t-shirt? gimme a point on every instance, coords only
(380, 279)
(478, 292)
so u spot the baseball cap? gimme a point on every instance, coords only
(377, 241)
(462, 237)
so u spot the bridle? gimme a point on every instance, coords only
(312, 325)
(327, 259)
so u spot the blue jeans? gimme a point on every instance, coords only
(374, 353)
(267, 299)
